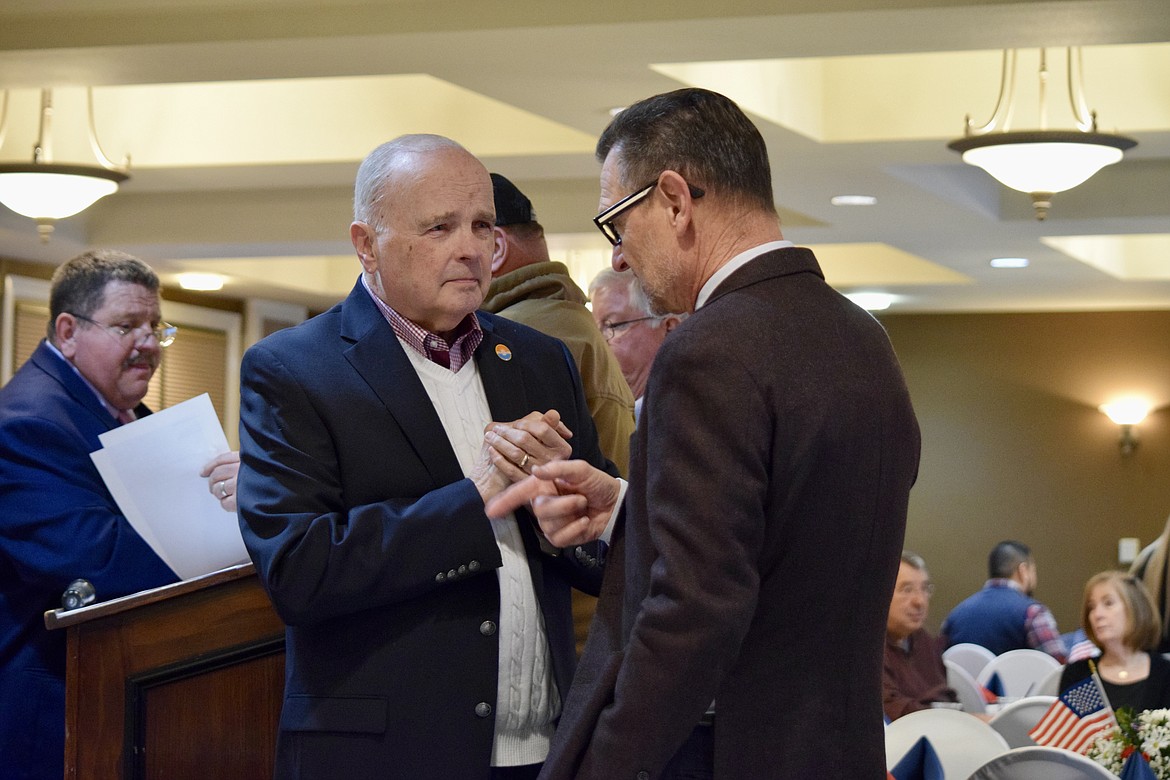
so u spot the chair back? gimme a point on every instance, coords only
(963, 743)
(1050, 685)
(970, 656)
(969, 693)
(1041, 763)
(1020, 671)
(1016, 719)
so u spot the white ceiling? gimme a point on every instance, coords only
(245, 121)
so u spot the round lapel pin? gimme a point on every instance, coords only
(503, 353)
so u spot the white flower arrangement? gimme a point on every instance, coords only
(1147, 732)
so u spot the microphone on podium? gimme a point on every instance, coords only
(79, 593)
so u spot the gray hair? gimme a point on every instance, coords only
(78, 286)
(380, 164)
(913, 560)
(608, 278)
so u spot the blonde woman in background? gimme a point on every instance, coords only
(1119, 617)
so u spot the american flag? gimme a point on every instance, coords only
(1082, 650)
(1075, 719)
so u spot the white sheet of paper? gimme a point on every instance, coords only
(152, 465)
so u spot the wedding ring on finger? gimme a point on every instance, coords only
(523, 462)
(221, 489)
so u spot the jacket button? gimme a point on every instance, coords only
(473, 565)
(487, 628)
(440, 577)
(483, 709)
(452, 574)
(643, 775)
(462, 570)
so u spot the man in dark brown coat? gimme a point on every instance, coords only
(741, 624)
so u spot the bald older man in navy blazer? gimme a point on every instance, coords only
(424, 640)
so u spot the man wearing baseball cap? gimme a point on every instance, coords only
(529, 288)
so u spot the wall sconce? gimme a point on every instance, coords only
(1127, 412)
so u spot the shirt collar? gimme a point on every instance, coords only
(1004, 582)
(733, 265)
(466, 336)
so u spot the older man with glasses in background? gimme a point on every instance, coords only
(634, 332)
(58, 521)
(913, 674)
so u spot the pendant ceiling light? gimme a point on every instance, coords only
(1041, 162)
(45, 190)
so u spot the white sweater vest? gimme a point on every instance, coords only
(527, 701)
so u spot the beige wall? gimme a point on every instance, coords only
(1014, 446)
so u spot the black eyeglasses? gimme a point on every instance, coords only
(611, 329)
(164, 332)
(605, 219)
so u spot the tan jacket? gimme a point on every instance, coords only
(543, 296)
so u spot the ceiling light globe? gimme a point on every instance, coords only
(1044, 161)
(46, 191)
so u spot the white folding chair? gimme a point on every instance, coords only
(1016, 719)
(1050, 685)
(1020, 671)
(970, 656)
(966, 689)
(963, 742)
(1041, 763)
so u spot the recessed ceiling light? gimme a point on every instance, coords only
(1009, 262)
(201, 281)
(853, 200)
(872, 301)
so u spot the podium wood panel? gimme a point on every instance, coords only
(184, 681)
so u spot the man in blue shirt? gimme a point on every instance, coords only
(1003, 615)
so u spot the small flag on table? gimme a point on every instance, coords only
(1075, 719)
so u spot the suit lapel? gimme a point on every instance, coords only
(503, 381)
(378, 357)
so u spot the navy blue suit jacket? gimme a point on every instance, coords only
(57, 523)
(376, 550)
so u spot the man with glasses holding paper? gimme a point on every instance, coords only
(741, 623)
(58, 522)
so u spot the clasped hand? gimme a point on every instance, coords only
(511, 450)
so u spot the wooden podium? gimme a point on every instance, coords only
(184, 681)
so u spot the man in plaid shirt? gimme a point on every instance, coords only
(1003, 615)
